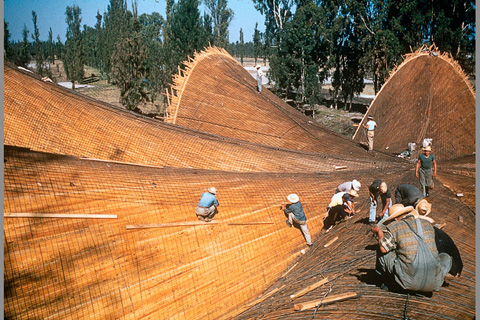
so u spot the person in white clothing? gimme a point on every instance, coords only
(260, 75)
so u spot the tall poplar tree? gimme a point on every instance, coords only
(39, 58)
(186, 32)
(22, 54)
(128, 64)
(221, 18)
(73, 58)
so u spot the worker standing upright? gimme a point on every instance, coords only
(260, 75)
(370, 126)
(426, 170)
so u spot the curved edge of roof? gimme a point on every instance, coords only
(180, 80)
(422, 51)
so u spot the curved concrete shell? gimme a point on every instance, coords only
(99, 213)
(427, 96)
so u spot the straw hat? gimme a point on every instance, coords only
(426, 218)
(353, 193)
(369, 117)
(212, 190)
(257, 66)
(398, 210)
(427, 148)
(424, 207)
(356, 185)
(383, 187)
(293, 198)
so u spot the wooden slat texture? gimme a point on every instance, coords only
(255, 151)
(425, 97)
(59, 215)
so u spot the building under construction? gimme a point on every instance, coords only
(100, 202)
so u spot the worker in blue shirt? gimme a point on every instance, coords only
(207, 207)
(296, 215)
(370, 126)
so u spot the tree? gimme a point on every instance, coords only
(73, 58)
(115, 28)
(39, 58)
(7, 47)
(186, 32)
(221, 17)
(128, 65)
(299, 61)
(51, 47)
(241, 46)
(22, 55)
(277, 13)
(257, 43)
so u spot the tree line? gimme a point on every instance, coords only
(305, 41)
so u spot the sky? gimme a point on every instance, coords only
(51, 14)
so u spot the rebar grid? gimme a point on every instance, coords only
(89, 158)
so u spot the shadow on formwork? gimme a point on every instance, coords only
(99, 216)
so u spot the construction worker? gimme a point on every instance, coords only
(410, 195)
(260, 75)
(349, 185)
(407, 256)
(341, 206)
(426, 170)
(296, 215)
(207, 207)
(379, 188)
(370, 126)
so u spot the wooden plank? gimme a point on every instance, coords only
(247, 223)
(327, 300)
(288, 271)
(263, 298)
(309, 288)
(172, 224)
(60, 215)
(330, 242)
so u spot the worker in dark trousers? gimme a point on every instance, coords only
(426, 170)
(410, 195)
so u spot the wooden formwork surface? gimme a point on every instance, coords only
(45, 117)
(427, 96)
(349, 265)
(57, 268)
(216, 94)
(152, 172)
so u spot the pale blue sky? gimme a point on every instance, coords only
(51, 14)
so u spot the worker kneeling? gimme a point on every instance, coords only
(407, 252)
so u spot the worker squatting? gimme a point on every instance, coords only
(412, 254)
